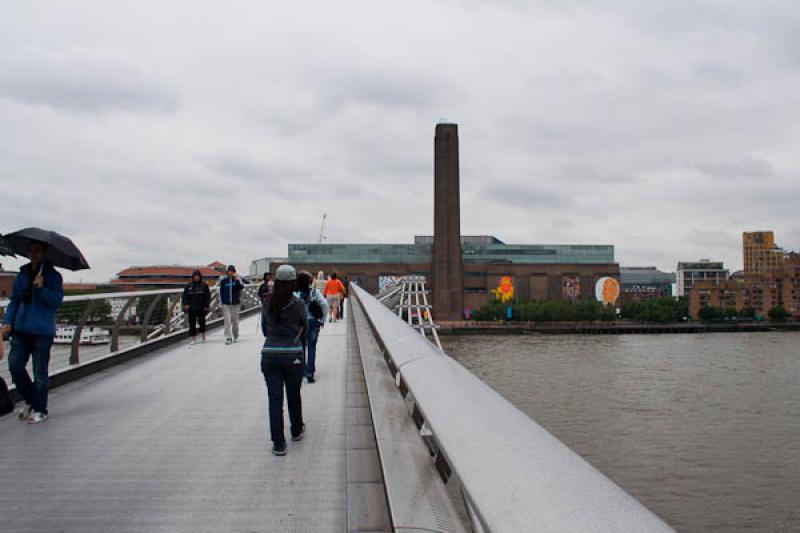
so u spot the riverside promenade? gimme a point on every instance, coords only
(178, 441)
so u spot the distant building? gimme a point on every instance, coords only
(536, 271)
(704, 270)
(118, 304)
(738, 274)
(476, 249)
(640, 283)
(465, 272)
(80, 287)
(221, 268)
(265, 264)
(6, 282)
(164, 276)
(761, 292)
(760, 252)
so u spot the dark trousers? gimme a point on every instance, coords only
(311, 347)
(280, 370)
(195, 318)
(23, 347)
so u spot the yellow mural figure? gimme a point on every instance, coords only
(505, 291)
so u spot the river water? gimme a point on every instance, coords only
(704, 429)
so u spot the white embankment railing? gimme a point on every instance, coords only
(515, 476)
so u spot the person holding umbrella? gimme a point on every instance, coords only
(30, 318)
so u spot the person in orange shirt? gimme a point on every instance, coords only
(333, 292)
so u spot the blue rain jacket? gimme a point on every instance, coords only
(229, 290)
(39, 316)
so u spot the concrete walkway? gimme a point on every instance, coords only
(178, 441)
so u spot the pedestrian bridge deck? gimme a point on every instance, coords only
(178, 441)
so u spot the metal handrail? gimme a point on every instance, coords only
(515, 475)
(163, 316)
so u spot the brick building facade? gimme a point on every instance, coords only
(464, 272)
(760, 253)
(761, 292)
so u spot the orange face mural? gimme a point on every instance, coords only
(607, 290)
(505, 290)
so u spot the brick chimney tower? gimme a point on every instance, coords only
(447, 285)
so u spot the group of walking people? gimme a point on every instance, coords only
(293, 314)
(295, 306)
(196, 303)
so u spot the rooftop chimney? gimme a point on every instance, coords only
(446, 269)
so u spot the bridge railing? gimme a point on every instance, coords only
(514, 475)
(90, 326)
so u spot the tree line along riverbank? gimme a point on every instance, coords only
(607, 328)
(658, 315)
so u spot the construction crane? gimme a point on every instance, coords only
(322, 235)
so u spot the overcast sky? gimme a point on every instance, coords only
(192, 131)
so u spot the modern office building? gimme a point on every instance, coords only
(264, 264)
(465, 272)
(760, 252)
(641, 283)
(704, 270)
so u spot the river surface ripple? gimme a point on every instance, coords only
(704, 429)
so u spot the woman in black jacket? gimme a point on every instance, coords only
(282, 357)
(196, 301)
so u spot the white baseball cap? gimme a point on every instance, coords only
(286, 273)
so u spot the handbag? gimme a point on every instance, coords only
(6, 401)
(314, 307)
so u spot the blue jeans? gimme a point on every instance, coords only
(23, 347)
(311, 347)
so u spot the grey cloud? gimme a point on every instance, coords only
(527, 197)
(719, 73)
(382, 86)
(600, 175)
(580, 121)
(81, 81)
(741, 168)
(275, 177)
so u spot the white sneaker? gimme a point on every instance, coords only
(193, 341)
(228, 341)
(25, 413)
(37, 418)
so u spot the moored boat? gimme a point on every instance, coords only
(89, 335)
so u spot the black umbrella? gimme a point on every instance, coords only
(61, 251)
